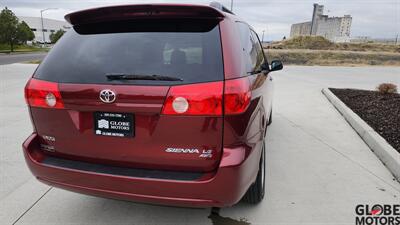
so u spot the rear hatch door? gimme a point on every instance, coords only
(114, 79)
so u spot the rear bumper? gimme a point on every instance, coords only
(237, 170)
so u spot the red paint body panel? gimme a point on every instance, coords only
(233, 63)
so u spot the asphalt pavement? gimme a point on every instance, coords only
(318, 168)
(20, 57)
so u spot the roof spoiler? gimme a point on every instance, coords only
(221, 7)
(156, 11)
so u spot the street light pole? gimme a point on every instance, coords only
(41, 18)
(262, 38)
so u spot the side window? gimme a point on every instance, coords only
(260, 53)
(252, 49)
(249, 54)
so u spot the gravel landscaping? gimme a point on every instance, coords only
(380, 111)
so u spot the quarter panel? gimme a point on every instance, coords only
(232, 52)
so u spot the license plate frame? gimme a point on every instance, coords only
(114, 124)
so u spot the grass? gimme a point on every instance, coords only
(334, 57)
(314, 50)
(320, 43)
(33, 62)
(5, 48)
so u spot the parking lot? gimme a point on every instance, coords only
(318, 168)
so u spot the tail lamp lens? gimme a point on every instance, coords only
(207, 98)
(237, 96)
(194, 99)
(43, 94)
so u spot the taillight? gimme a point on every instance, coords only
(237, 96)
(44, 94)
(206, 98)
(194, 99)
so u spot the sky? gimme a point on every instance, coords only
(373, 18)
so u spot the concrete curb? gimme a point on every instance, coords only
(383, 150)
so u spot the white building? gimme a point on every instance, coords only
(49, 26)
(336, 29)
(300, 29)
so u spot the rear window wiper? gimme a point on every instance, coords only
(123, 76)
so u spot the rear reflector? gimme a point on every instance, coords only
(44, 94)
(194, 99)
(206, 98)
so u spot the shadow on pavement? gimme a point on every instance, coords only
(216, 219)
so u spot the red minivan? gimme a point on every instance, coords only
(157, 103)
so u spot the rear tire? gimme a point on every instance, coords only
(256, 191)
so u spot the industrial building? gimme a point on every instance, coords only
(336, 29)
(49, 26)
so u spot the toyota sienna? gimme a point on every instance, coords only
(157, 103)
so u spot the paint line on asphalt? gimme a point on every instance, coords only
(337, 151)
(23, 214)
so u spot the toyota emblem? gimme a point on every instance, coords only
(107, 96)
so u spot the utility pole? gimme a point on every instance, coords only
(231, 5)
(397, 39)
(41, 18)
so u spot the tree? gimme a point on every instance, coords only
(57, 35)
(24, 33)
(8, 27)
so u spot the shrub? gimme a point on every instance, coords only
(387, 88)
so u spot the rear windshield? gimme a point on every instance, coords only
(188, 50)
